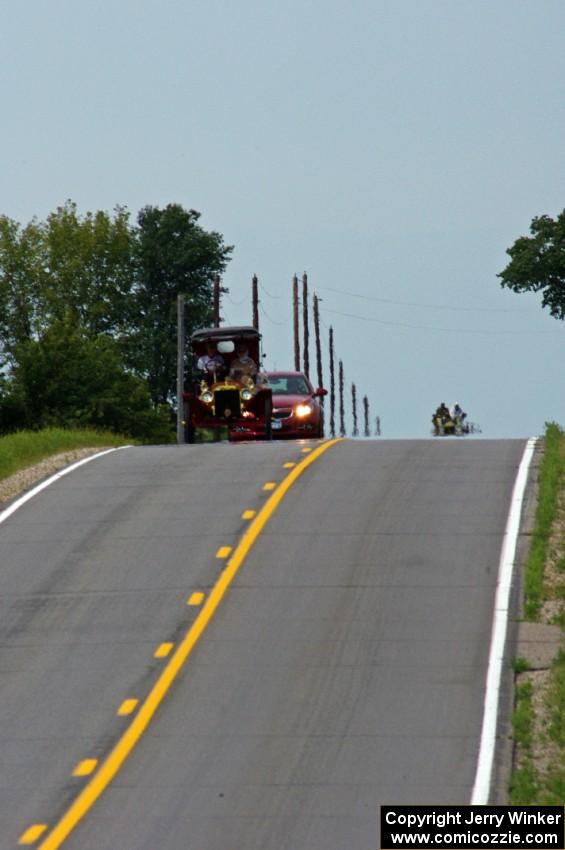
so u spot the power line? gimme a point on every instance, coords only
(432, 328)
(269, 319)
(425, 306)
(266, 291)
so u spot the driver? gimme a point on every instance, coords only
(211, 362)
(243, 365)
(442, 413)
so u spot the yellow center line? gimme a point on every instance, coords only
(163, 650)
(195, 598)
(109, 768)
(270, 485)
(223, 552)
(31, 835)
(289, 464)
(85, 767)
(127, 707)
(248, 514)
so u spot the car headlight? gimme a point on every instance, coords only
(207, 397)
(246, 394)
(303, 410)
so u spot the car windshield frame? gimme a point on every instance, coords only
(280, 389)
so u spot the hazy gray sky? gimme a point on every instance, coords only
(393, 150)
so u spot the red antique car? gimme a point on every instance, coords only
(229, 397)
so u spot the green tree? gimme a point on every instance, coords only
(174, 255)
(69, 378)
(88, 268)
(537, 263)
(20, 265)
(67, 266)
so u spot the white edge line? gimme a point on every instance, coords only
(31, 493)
(481, 788)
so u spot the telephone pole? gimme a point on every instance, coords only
(366, 430)
(255, 300)
(216, 301)
(332, 384)
(305, 322)
(341, 404)
(295, 324)
(354, 407)
(180, 368)
(318, 344)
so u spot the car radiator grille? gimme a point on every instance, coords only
(227, 404)
(282, 413)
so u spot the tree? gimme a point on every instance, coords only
(69, 378)
(68, 266)
(174, 254)
(538, 263)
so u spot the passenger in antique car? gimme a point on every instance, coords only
(242, 365)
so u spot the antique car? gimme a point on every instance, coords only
(297, 411)
(452, 424)
(229, 397)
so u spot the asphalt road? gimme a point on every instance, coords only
(344, 668)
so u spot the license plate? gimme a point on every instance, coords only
(276, 424)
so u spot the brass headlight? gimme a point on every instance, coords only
(207, 397)
(246, 394)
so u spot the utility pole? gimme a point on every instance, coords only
(378, 426)
(305, 322)
(341, 405)
(255, 299)
(332, 384)
(318, 344)
(354, 407)
(295, 324)
(216, 301)
(180, 368)
(366, 431)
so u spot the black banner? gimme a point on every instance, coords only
(467, 827)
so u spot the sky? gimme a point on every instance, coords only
(391, 149)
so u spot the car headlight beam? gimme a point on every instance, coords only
(303, 410)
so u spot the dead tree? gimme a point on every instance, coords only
(366, 430)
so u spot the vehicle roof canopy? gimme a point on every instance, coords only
(234, 332)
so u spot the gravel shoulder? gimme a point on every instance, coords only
(24, 479)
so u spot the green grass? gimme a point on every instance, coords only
(529, 785)
(523, 785)
(550, 477)
(25, 448)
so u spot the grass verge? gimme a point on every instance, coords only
(550, 478)
(25, 448)
(538, 721)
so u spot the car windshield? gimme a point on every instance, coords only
(288, 385)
